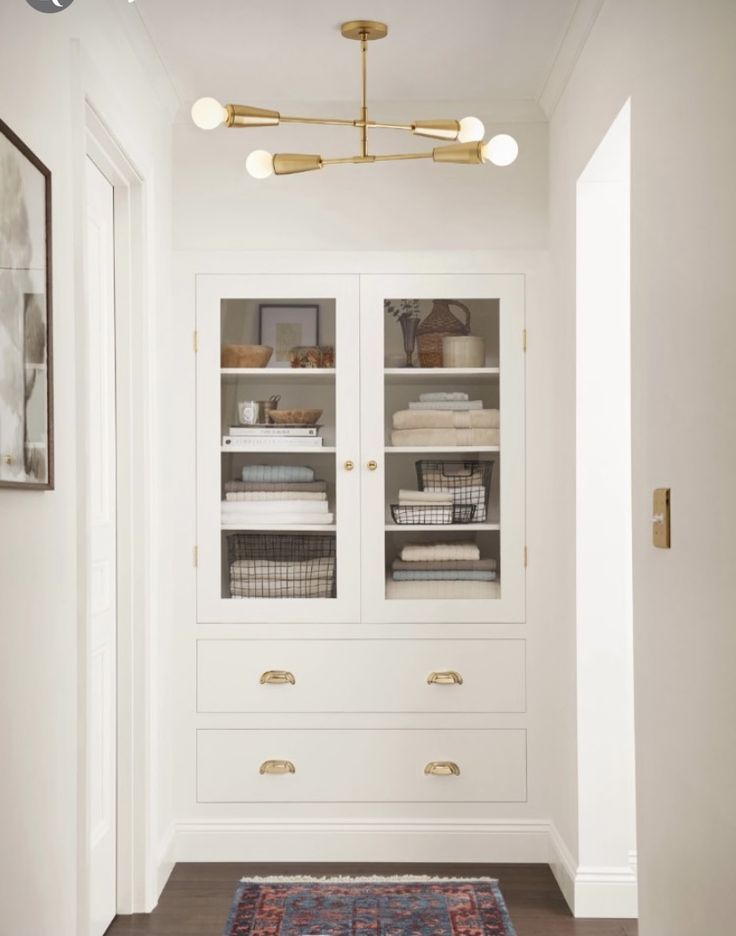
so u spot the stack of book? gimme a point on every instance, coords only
(269, 436)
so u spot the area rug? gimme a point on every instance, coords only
(395, 906)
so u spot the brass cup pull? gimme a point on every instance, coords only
(277, 677)
(441, 768)
(349, 465)
(372, 465)
(445, 678)
(277, 767)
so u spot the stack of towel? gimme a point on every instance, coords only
(443, 570)
(261, 578)
(440, 419)
(271, 495)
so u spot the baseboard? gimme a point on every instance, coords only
(523, 841)
(166, 862)
(602, 893)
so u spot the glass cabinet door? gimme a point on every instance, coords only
(277, 433)
(443, 436)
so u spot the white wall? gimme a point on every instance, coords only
(41, 72)
(677, 61)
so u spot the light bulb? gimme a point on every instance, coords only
(259, 164)
(471, 130)
(208, 113)
(501, 150)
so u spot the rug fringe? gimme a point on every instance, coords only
(371, 879)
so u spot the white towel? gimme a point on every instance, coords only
(443, 397)
(446, 419)
(439, 552)
(441, 438)
(245, 521)
(457, 405)
(274, 507)
(435, 590)
(424, 497)
(275, 496)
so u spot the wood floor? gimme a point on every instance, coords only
(197, 898)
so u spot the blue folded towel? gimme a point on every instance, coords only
(451, 575)
(284, 473)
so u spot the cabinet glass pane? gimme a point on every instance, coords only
(278, 427)
(442, 421)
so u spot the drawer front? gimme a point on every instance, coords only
(360, 676)
(338, 765)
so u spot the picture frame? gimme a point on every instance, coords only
(26, 318)
(289, 326)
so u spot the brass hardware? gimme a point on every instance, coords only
(442, 769)
(242, 115)
(364, 30)
(466, 154)
(437, 129)
(276, 677)
(523, 340)
(195, 558)
(372, 465)
(526, 557)
(196, 341)
(661, 519)
(445, 678)
(8, 459)
(349, 465)
(290, 163)
(277, 767)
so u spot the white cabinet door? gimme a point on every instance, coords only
(454, 454)
(266, 554)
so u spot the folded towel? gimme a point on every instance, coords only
(443, 397)
(457, 405)
(273, 507)
(424, 497)
(282, 570)
(444, 419)
(232, 487)
(313, 588)
(244, 521)
(286, 496)
(278, 473)
(444, 437)
(456, 575)
(435, 590)
(439, 552)
(478, 565)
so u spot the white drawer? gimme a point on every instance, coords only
(338, 765)
(361, 675)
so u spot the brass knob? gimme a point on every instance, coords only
(276, 677)
(372, 465)
(349, 465)
(277, 767)
(8, 459)
(445, 678)
(442, 769)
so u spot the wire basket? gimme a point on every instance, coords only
(439, 514)
(282, 565)
(468, 481)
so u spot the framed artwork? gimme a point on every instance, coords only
(287, 326)
(26, 410)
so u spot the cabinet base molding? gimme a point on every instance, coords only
(522, 841)
(597, 892)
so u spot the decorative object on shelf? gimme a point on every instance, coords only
(287, 327)
(26, 404)
(463, 351)
(282, 565)
(257, 412)
(245, 355)
(316, 356)
(432, 514)
(296, 417)
(208, 113)
(467, 482)
(406, 312)
(439, 324)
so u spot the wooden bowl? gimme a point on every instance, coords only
(295, 417)
(245, 355)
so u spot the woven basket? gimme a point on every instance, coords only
(439, 324)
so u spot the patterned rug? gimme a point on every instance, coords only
(369, 907)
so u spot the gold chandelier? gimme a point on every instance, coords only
(469, 148)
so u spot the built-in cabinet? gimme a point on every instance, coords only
(307, 611)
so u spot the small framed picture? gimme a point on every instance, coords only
(26, 415)
(284, 327)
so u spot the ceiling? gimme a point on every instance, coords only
(268, 52)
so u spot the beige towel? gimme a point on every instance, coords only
(273, 507)
(242, 521)
(446, 419)
(439, 552)
(275, 496)
(435, 590)
(444, 437)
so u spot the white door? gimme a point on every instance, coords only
(101, 514)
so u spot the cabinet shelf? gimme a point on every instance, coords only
(280, 527)
(439, 449)
(282, 450)
(434, 527)
(438, 375)
(311, 375)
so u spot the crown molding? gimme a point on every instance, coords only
(579, 28)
